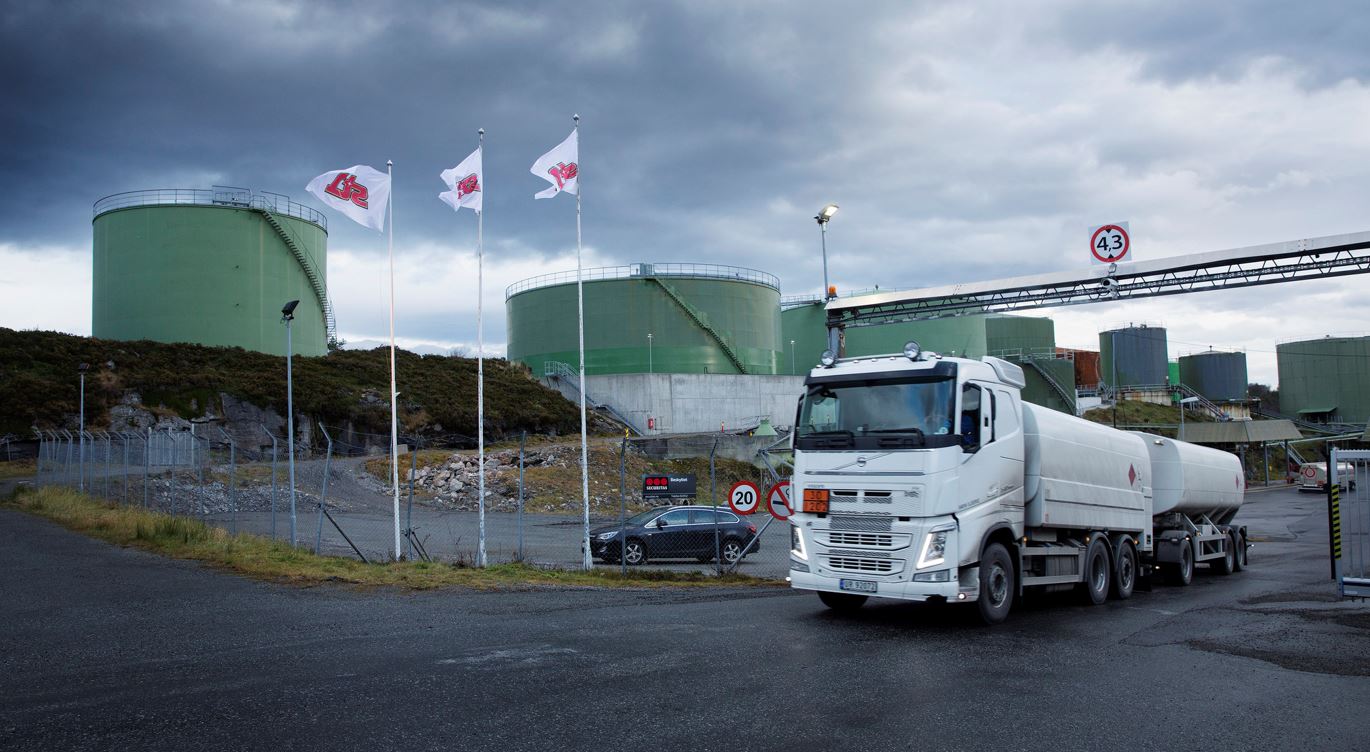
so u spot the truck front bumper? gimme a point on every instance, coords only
(964, 588)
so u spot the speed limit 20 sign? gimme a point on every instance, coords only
(744, 496)
(1110, 244)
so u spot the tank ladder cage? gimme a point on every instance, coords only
(1310, 258)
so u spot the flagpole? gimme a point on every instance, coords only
(480, 348)
(394, 395)
(580, 326)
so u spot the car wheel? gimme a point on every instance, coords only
(1183, 573)
(732, 551)
(635, 552)
(1097, 574)
(996, 584)
(842, 602)
(1124, 571)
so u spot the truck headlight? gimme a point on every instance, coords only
(797, 549)
(935, 546)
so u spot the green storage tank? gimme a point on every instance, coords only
(1325, 380)
(701, 318)
(1020, 336)
(211, 267)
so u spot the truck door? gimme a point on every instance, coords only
(992, 468)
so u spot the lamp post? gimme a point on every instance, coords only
(792, 369)
(822, 218)
(288, 315)
(81, 369)
(649, 354)
(1183, 402)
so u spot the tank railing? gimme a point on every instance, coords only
(1033, 353)
(226, 196)
(1185, 391)
(1308, 425)
(647, 271)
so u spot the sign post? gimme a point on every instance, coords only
(743, 497)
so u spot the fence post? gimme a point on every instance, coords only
(272, 436)
(200, 461)
(713, 502)
(147, 464)
(38, 464)
(66, 464)
(523, 440)
(409, 505)
(232, 478)
(623, 504)
(171, 472)
(124, 436)
(323, 498)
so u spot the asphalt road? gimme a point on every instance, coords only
(105, 648)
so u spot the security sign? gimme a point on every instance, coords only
(778, 499)
(744, 496)
(1110, 244)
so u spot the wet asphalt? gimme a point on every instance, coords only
(109, 648)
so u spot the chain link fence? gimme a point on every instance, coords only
(336, 496)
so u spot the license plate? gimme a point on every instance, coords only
(860, 586)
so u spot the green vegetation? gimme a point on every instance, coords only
(262, 558)
(1136, 415)
(39, 386)
(17, 469)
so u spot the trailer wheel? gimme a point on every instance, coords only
(1124, 571)
(1096, 575)
(1239, 561)
(1228, 564)
(996, 584)
(1182, 573)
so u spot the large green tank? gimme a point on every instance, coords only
(701, 318)
(1325, 379)
(212, 267)
(805, 331)
(1020, 336)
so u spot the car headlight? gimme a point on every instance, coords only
(797, 543)
(935, 546)
(607, 536)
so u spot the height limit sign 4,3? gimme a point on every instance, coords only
(1110, 244)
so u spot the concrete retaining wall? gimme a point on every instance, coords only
(698, 403)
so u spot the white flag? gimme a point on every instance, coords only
(466, 183)
(560, 167)
(359, 191)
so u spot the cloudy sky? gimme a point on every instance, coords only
(964, 141)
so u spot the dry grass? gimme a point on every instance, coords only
(17, 469)
(262, 558)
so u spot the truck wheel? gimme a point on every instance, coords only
(996, 584)
(1094, 584)
(1228, 563)
(1124, 571)
(842, 602)
(1182, 573)
(1239, 561)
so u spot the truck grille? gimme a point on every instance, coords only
(861, 523)
(876, 540)
(853, 564)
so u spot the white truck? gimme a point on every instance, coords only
(1313, 476)
(927, 478)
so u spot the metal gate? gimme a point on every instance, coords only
(1348, 510)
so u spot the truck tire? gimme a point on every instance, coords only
(842, 602)
(997, 584)
(1097, 574)
(1124, 570)
(1239, 562)
(1228, 564)
(1183, 573)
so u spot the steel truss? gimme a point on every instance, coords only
(1312, 258)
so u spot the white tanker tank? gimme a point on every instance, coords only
(1193, 480)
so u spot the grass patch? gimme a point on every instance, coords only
(262, 558)
(17, 469)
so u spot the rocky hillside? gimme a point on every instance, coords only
(135, 384)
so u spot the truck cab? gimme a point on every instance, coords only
(906, 467)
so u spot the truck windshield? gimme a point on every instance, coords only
(890, 413)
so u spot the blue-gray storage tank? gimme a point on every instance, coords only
(1133, 356)
(1219, 376)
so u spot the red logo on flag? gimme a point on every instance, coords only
(346, 187)
(563, 172)
(468, 185)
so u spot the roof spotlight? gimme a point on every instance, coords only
(827, 359)
(912, 350)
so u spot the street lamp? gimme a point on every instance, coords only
(792, 369)
(822, 218)
(81, 369)
(287, 316)
(649, 353)
(1183, 402)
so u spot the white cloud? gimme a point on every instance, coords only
(45, 287)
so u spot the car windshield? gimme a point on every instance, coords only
(923, 407)
(642, 518)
